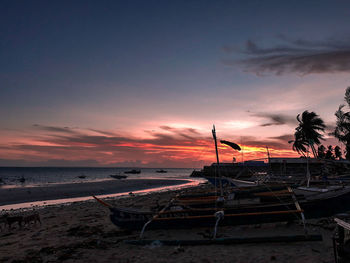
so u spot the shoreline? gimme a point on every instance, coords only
(13, 196)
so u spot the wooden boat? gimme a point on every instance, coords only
(180, 215)
(176, 217)
(161, 171)
(22, 179)
(118, 176)
(133, 171)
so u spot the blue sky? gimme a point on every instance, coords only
(130, 67)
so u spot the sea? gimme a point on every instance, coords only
(42, 176)
(26, 177)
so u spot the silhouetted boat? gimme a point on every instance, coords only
(82, 176)
(22, 179)
(133, 171)
(118, 176)
(161, 171)
(182, 215)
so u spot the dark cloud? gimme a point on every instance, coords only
(275, 119)
(283, 138)
(51, 162)
(55, 129)
(103, 132)
(183, 132)
(299, 56)
(166, 128)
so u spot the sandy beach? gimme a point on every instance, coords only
(82, 232)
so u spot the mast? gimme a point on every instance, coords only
(217, 160)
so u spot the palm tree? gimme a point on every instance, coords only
(308, 131)
(337, 152)
(321, 151)
(299, 144)
(342, 129)
(329, 153)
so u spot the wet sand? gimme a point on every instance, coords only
(82, 232)
(72, 190)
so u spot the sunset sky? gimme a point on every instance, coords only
(140, 83)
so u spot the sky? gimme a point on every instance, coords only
(140, 83)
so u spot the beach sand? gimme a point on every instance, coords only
(82, 232)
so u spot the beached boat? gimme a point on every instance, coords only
(133, 171)
(182, 215)
(22, 179)
(118, 176)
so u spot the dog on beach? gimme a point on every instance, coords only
(31, 218)
(10, 220)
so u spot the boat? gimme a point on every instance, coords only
(265, 209)
(161, 171)
(175, 216)
(133, 171)
(22, 179)
(118, 176)
(82, 176)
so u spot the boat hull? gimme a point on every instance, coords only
(315, 206)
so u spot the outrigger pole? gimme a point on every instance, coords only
(217, 161)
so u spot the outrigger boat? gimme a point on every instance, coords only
(161, 171)
(182, 213)
(118, 176)
(133, 171)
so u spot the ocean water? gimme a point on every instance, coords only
(40, 176)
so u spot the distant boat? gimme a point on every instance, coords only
(133, 171)
(161, 171)
(22, 179)
(82, 176)
(118, 176)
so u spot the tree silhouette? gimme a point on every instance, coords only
(337, 152)
(308, 132)
(329, 153)
(321, 151)
(342, 129)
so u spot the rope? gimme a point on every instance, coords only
(154, 217)
(219, 215)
